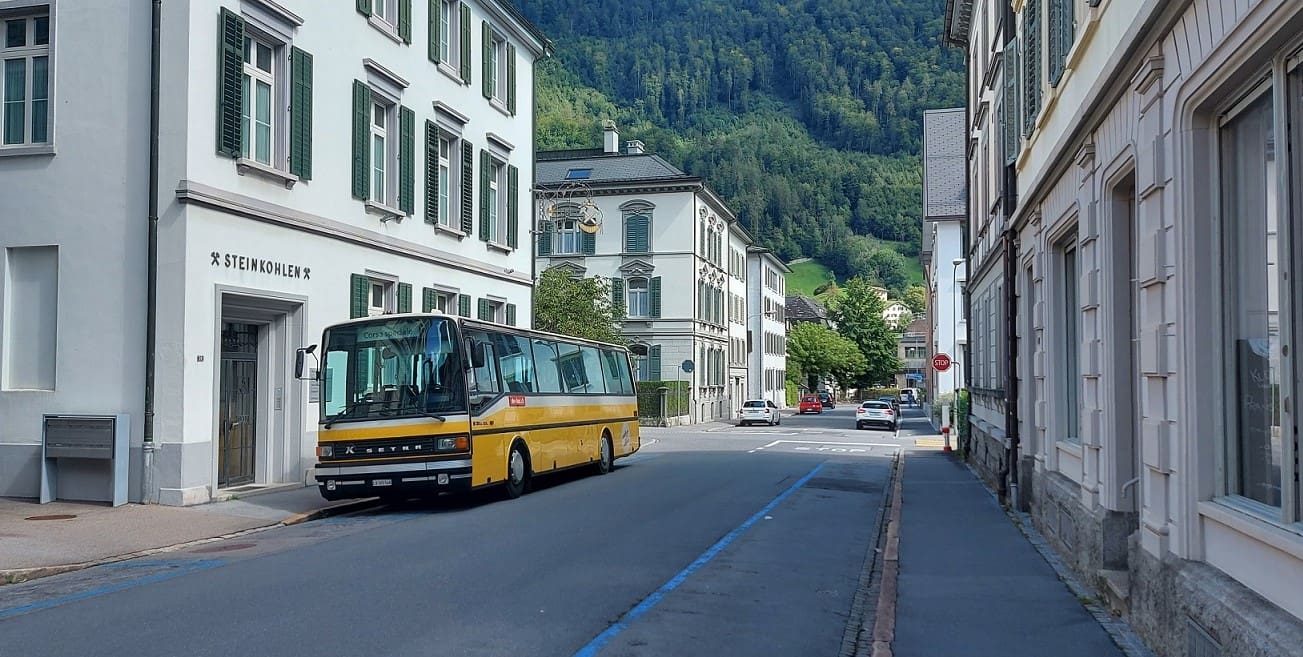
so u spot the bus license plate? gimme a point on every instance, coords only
(382, 482)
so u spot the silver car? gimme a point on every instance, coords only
(874, 412)
(759, 410)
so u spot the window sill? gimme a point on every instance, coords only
(385, 28)
(496, 246)
(500, 105)
(385, 212)
(29, 149)
(246, 166)
(452, 73)
(1243, 517)
(451, 232)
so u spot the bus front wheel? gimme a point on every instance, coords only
(606, 460)
(517, 471)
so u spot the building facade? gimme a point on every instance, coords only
(766, 321)
(942, 255)
(287, 193)
(1152, 150)
(668, 244)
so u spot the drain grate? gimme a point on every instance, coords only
(224, 547)
(53, 516)
(847, 485)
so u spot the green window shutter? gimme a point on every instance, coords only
(654, 292)
(511, 79)
(361, 130)
(428, 300)
(405, 20)
(484, 311)
(545, 238)
(431, 173)
(433, 11)
(513, 206)
(404, 297)
(1031, 62)
(1012, 136)
(486, 61)
(654, 363)
(359, 295)
(230, 87)
(635, 234)
(485, 228)
(511, 314)
(364, 7)
(406, 160)
(464, 305)
(617, 294)
(467, 188)
(588, 242)
(465, 24)
(301, 114)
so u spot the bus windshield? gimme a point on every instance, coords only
(392, 368)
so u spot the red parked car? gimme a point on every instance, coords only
(810, 404)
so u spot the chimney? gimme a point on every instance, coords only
(634, 147)
(610, 138)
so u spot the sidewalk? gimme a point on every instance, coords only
(971, 584)
(38, 540)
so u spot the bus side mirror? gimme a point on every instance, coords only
(300, 358)
(476, 352)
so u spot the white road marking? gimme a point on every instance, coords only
(822, 443)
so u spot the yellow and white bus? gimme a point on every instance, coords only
(417, 404)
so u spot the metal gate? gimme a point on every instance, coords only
(238, 405)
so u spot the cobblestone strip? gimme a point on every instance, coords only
(857, 639)
(1117, 629)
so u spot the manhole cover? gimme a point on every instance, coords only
(224, 547)
(54, 516)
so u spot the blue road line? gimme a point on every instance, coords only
(650, 601)
(186, 567)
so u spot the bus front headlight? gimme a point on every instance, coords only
(457, 444)
(326, 451)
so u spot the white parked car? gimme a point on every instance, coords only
(759, 410)
(876, 412)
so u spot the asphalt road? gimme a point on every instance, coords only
(712, 540)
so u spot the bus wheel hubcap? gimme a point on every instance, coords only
(606, 452)
(517, 467)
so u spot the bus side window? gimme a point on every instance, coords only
(484, 382)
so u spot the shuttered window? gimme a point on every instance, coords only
(1031, 60)
(361, 139)
(404, 297)
(653, 363)
(1061, 32)
(588, 243)
(465, 43)
(359, 295)
(655, 296)
(617, 295)
(230, 93)
(511, 314)
(1009, 106)
(406, 160)
(513, 207)
(464, 305)
(301, 114)
(637, 234)
(467, 187)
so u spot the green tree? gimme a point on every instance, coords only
(579, 307)
(915, 296)
(816, 351)
(858, 315)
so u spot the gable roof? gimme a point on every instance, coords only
(804, 308)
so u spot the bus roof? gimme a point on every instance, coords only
(479, 323)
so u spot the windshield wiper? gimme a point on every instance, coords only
(348, 408)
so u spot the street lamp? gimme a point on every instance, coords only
(955, 361)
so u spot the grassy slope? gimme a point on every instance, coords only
(806, 276)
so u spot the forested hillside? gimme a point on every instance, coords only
(804, 115)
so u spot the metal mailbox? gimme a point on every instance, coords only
(88, 448)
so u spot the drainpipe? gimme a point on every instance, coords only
(151, 287)
(1011, 366)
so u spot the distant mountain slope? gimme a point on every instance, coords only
(805, 115)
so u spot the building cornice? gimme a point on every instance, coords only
(190, 192)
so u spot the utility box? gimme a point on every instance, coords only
(85, 457)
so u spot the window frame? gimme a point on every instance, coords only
(28, 53)
(497, 192)
(447, 177)
(251, 74)
(1285, 116)
(388, 201)
(388, 290)
(1068, 294)
(498, 66)
(643, 294)
(563, 234)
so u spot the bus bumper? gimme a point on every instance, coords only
(339, 482)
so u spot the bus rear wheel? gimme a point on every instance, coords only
(606, 460)
(517, 472)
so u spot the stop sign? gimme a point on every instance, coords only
(941, 362)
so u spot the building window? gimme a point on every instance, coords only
(379, 154)
(257, 134)
(497, 67)
(494, 199)
(638, 298)
(381, 299)
(1069, 345)
(25, 79)
(1255, 237)
(447, 26)
(567, 236)
(445, 180)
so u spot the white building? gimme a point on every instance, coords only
(314, 163)
(894, 312)
(665, 241)
(944, 208)
(767, 325)
(1149, 157)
